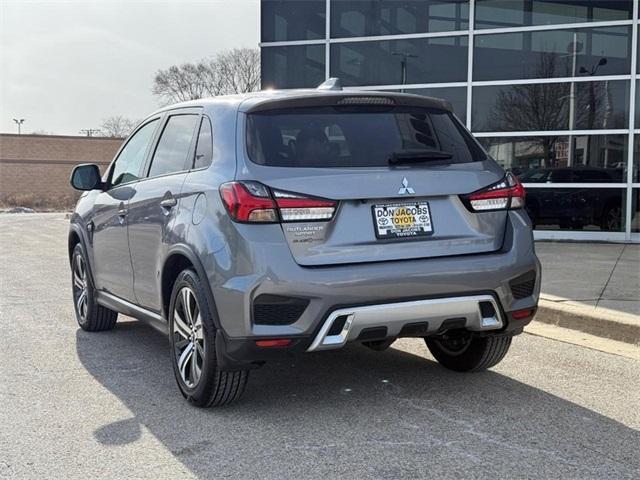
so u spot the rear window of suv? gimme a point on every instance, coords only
(363, 136)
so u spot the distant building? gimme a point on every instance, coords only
(35, 169)
(548, 87)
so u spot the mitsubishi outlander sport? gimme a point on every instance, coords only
(252, 226)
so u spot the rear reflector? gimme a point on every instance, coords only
(276, 342)
(506, 194)
(253, 202)
(526, 313)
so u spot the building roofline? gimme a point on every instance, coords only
(38, 135)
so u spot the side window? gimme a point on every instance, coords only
(560, 176)
(129, 162)
(173, 147)
(204, 148)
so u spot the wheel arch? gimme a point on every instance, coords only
(73, 239)
(179, 258)
(76, 237)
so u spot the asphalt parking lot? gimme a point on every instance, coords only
(79, 405)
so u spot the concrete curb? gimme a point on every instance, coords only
(600, 322)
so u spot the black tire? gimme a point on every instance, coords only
(379, 345)
(469, 354)
(204, 385)
(91, 316)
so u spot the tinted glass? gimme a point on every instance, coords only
(360, 18)
(129, 162)
(514, 13)
(637, 107)
(590, 209)
(635, 210)
(556, 159)
(457, 96)
(539, 107)
(292, 67)
(636, 158)
(292, 20)
(173, 146)
(598, 51)
(423, 60)
(354, 136)
(204, 147)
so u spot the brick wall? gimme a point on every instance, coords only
(35, 169)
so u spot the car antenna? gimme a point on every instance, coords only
(331, 84)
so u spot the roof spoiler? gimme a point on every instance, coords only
(331, 84)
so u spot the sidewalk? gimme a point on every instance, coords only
(591, 287)
(599, 275)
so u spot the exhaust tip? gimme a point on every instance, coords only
(338, 325)
(489, 315)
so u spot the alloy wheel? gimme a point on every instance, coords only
(80, 286)
(188, 337)
(613, 221)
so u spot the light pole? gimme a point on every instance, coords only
(90, 131)
(592, 103)
(403, 65)
(19, 123)
(573, 49)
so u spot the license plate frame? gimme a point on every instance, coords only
(387, 231)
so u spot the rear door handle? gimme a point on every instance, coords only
(168, 203)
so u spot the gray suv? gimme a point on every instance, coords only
(253, 226)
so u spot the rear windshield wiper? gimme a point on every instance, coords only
(398, 158)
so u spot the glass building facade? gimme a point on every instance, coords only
(547, 86)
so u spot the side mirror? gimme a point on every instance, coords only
(86, 177)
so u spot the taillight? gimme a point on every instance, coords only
(248, 202)
(507, 194)
(298, 208)
(253, 202)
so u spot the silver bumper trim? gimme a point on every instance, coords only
(394, 316)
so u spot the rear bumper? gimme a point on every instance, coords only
(243, 353)
(415, 318)
(271, 270)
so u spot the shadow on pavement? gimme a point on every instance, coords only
(355, 413)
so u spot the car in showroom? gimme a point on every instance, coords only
(574, 208)
(253, 226)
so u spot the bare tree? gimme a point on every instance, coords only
(548, 106)
(239, 70)
(117, 126)
(534, 107)
(180, 83)
(233, 71)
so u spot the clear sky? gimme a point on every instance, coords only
(66, 65)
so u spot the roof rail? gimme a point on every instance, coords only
(331, 84)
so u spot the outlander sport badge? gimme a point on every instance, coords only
(406, 189)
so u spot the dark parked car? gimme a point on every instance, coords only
(571, 207)
(252, 226)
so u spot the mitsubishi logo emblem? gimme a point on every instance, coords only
(406, 189)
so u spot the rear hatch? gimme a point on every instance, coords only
(396, 174)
